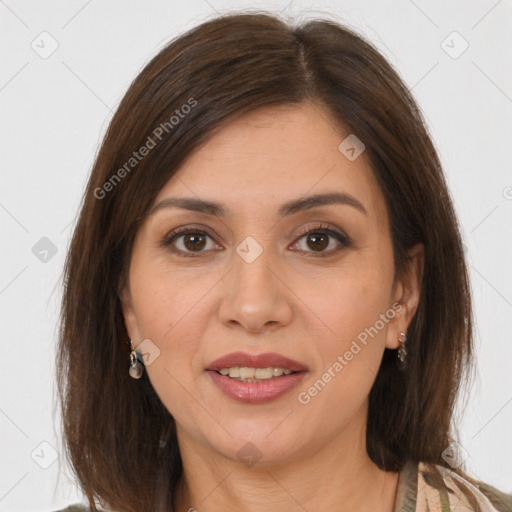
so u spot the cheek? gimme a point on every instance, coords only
(347, 312)
(349, 352)
(165, 300)
(173, 311)
(169, 313)
(353, 298)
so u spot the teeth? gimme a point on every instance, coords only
(265, 373)
(234, 372)
(246, 374)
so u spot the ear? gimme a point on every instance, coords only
(406, 296)
(130, 318)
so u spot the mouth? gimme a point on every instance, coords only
(247, 374)
(256, 378)
(245, 365)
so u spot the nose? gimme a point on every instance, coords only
(255, 295)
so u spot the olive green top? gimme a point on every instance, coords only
(425, 488)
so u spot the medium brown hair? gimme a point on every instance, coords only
(118, 435)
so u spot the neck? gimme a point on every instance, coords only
(338, 476)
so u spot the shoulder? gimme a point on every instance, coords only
(440, 488)
(75, 508)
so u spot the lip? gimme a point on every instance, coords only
(266, 360)
(256, 392)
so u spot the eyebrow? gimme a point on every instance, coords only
(286, 209)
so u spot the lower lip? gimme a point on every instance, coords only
(256, 392)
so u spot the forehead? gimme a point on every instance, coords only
(272, 156)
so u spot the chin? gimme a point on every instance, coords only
(255, 444)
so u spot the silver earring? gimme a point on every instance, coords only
(402, 352)
(136, 367)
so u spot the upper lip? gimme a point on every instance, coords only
(266, 360)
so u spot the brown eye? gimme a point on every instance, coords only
(194, 241)
(318, 239)
(188, 242)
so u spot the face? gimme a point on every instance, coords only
(313, 283)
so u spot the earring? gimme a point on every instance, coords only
(402, 352)
(136, 367)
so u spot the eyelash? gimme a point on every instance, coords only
(319, 229)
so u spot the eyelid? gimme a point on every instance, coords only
(322, 226)
(168, 239)
(319, 227)
(332, 232)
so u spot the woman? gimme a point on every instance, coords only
(267, 305)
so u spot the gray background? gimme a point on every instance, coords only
(55, 109)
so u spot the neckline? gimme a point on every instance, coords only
(407, 489)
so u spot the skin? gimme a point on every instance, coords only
(296, 299)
